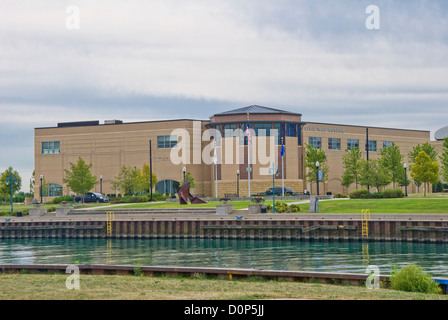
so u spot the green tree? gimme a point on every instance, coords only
(444, 161)
(429, 150)
(373, 173)
(5, 187)
(392, 161)
(351, 162)
(145, 178)
(79, 178)
(128, 180)
(424, 169)
(312, 156)
(190, 180)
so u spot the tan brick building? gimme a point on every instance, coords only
(190, 144)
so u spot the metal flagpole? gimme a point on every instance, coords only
(283, 172)
(248, 156)
(215, 160)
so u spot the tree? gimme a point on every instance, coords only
(128, 180)
(373, 173)
(314, 155)
(427, 147)
(190, 180)
(351, 162)
(79, 178)
(444, 161)
(5, 187)
(424, 169)
(145, 178)
(429, 150)
(392, 161)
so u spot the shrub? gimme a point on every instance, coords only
(393, 193)
(58, 200)
(412, 279)
(358, 194)
(137, 199)
(340, 195)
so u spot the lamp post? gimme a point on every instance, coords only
(41, 178)
(101, 184)
(317, 176)
(238, 183)
(184, 170)
(405, 180)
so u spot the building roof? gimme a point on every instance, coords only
(441, 134)
(254, 109)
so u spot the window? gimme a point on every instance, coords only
(291, 130)
(334, 143)
(387, 144)
(315, 142)
(352, 143)
(52, 190)
(371, 146)
(280, 127)
(51, 147)
(229, 130)
(166, 142)
(262, 129)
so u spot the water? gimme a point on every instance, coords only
(257, 254)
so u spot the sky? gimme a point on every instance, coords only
(142, 60)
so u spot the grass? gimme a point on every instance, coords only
(409, 205)
(95, 287)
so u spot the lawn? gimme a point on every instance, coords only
(96, 287)
(403, 205)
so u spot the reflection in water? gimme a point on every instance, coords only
(227, 253)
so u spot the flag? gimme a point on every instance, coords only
(248, 134)
(283, 150)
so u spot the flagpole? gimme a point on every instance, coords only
(283, 183)
(215, 160)
(248, 156)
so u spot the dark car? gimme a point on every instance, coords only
(278, 191)
(92, 197)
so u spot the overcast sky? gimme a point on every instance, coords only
(162, 59)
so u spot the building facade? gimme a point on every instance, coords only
(216, 152)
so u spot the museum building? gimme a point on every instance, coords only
(177, 146)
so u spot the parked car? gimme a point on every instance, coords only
(278, 191)
(92, 197)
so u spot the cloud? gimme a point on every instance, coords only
(155, 59)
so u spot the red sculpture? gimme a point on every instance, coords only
(184, 195)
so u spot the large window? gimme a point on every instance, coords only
(387, 144)
(280, 127)
(52, 190)
(315, 142)
(263, 129)
(166, 142)
(291, 130)
(352, 143)
(334, 143)
(51, 147)
(371, 146)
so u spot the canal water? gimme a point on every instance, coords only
(227, 253)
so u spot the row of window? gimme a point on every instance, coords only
(335, 144)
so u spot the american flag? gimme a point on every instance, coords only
(248, 134)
